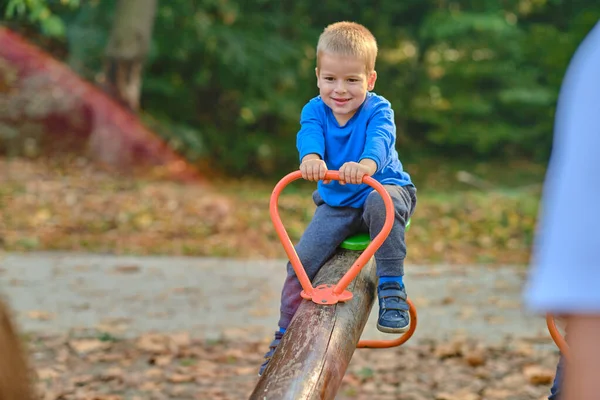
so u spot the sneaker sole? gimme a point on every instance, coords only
(387, 329)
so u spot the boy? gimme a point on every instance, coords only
(350, 129)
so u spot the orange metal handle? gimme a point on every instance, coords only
(381, 344)
(360, 261)
(556, 336)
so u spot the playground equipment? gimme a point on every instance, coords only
(556, 336)
(313, 355)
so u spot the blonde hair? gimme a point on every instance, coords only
(349, 39)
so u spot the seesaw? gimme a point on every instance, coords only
(315, 351)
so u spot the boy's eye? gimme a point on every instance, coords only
(329, 78)
(353, 80)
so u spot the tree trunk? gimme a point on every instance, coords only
(127, 49)
(313, 355)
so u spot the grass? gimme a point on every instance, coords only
(482, 213)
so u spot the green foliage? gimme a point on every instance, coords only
(40, 12)
(225, 80)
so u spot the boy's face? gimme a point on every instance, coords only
(343, 84)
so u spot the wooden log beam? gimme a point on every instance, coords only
(313, 355)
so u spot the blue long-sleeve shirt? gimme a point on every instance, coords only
(370, 133)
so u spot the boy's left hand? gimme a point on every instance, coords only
(353, 172)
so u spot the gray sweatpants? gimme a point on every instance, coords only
(330, 226)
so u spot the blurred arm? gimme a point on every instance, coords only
(581, 374)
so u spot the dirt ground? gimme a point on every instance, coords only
(154, 366)
(123, 328)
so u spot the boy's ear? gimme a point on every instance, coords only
(317, 74)
(371, 80)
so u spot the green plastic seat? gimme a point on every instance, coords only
(361, 241)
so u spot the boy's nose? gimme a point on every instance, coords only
(340, 88)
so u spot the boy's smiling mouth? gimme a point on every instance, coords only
(340, 101)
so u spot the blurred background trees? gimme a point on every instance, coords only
(223, 81)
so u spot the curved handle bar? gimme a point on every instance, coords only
(360, 261)
(556, 336)
(384, 344)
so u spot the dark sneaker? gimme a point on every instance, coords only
(269, 355)
(393, 309)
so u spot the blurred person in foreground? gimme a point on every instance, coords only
(565, 276)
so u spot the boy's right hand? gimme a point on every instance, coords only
(313, 168)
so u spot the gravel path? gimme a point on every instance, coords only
(215, 298)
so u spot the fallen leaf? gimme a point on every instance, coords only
(127, 269)
(152, 343)
(40, 315)
(447, 301)
(459, 395)
(475, 357)
(47, 373)
(85, 346)
(161, 361)
(180, 339)
(445, 350)
(180, 378)
(154, 373)
(538, 375)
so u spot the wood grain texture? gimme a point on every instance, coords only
(314, 354)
